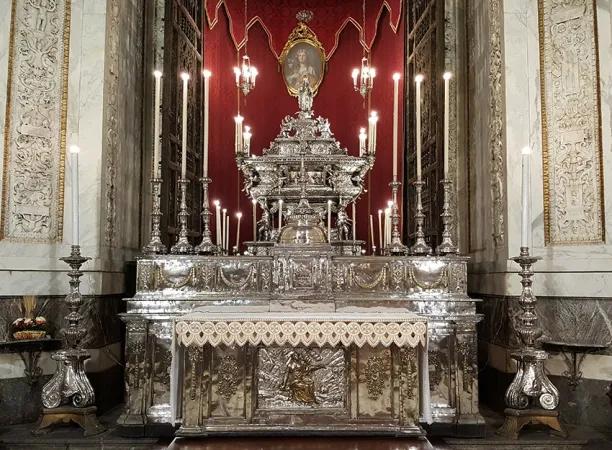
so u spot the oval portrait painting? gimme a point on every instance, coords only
(301, 60)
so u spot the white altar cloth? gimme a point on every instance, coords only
(306, 328)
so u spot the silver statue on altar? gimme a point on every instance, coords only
(306, 168)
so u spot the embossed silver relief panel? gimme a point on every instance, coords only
(36, 122)
(160, 338)
(374, 374)
(301, 378)
(228, 382)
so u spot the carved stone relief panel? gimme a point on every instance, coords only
(571, 121)
(35, 133)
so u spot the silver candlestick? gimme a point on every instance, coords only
(420, 247)
(446, 246)
(396, 247)
(183, 246)
(156, 246)
(69, 394)
(206, 247)
(531, 397)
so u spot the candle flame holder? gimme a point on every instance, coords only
(182, 247)
(155, 246)
(206, 247)
(69, 396)
(446, 246)
(531, 397)
(396, 247)
(420, 247)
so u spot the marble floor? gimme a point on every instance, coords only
(70, 438)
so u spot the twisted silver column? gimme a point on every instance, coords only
(420, 247)
(183, 246)
(206, 247)
(155, 246)
(446, 246)
(396, 247)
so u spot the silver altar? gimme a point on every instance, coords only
(301, 268)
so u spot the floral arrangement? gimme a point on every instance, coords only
(26, 327)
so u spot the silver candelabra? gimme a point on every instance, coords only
(206, 247)
(531, 397)
(69, 394)
(183, 246)
(155, 246)
(420, 247)
(446, 246)
(396, 247)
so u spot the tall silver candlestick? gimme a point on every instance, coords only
(396, 247)
(420, 247)
(69, 394)
(183, 246)
(531, 397)
(206, 247)
(156, 246)
(446, 246)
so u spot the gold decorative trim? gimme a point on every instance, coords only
(545, 134)
(58, 238)
(302, 34)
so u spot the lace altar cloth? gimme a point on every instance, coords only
(402, 329)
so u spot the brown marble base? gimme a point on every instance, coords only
(301, 444)
(516, 419)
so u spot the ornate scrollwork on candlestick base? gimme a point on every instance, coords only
(156, 246)
(446, 246)
(69, 396)
(396, 247)
(206, 247)
(531, 397)
(420, 247)
(183, 246)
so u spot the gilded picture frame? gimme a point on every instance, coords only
(302, 56)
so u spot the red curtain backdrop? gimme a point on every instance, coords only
(264, 108)
(277, 18)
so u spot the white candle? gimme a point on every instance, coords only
(386, 226)
(380, 234)
(227, 229)
(447, 77)
(372, 137)
(372, 230)
(254, 220)
(362, 142)
(237, 73)
(156, 116)
(218, 221)
(206, 114)
(74, 152)
(355, 74)
(239, 215)
(396, 78)
(354, 222)
(247, 140)
(224, 229)
(329, 207)
(238, 120)
(185, 77)
(526, 193)
(280, 214)
(419, 80)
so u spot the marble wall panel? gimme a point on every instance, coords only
(5, 36)
(572, 153)
(35, 132)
